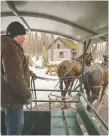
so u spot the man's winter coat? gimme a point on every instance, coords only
(15, 78)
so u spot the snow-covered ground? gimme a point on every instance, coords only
(43, 84)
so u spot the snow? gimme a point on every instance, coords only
(43, 84)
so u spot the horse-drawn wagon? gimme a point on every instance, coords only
(83, 21)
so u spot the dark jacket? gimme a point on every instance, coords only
(15, 81)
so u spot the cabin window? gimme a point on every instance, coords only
(61, 55)
(58, 46)
(74, 54)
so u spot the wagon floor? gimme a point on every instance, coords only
(57, 124)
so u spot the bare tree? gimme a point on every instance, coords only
(28, 44)
(52, 47)
(37, 45)
(44, 39)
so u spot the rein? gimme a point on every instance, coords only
(34, 96)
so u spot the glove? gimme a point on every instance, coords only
(29, 101)
(34, 77)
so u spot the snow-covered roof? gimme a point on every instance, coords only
(78, 20)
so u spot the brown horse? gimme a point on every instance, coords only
(94, 79)
(68, 70)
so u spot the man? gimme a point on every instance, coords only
(15, 78)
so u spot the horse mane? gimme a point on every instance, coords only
(81, 56)
(105, 58)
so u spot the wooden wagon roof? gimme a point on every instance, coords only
(78, 20)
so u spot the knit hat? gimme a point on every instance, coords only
(14, 29)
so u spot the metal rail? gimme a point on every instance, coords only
(16, 13)
(84, 62)
(47, 90)
(51, 17)
(97, 36)
(54, 101)
(99, 117)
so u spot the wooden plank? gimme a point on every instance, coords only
(57, 125)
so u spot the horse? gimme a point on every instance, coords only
(105, 60)
(67, 70)
(94, 79)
